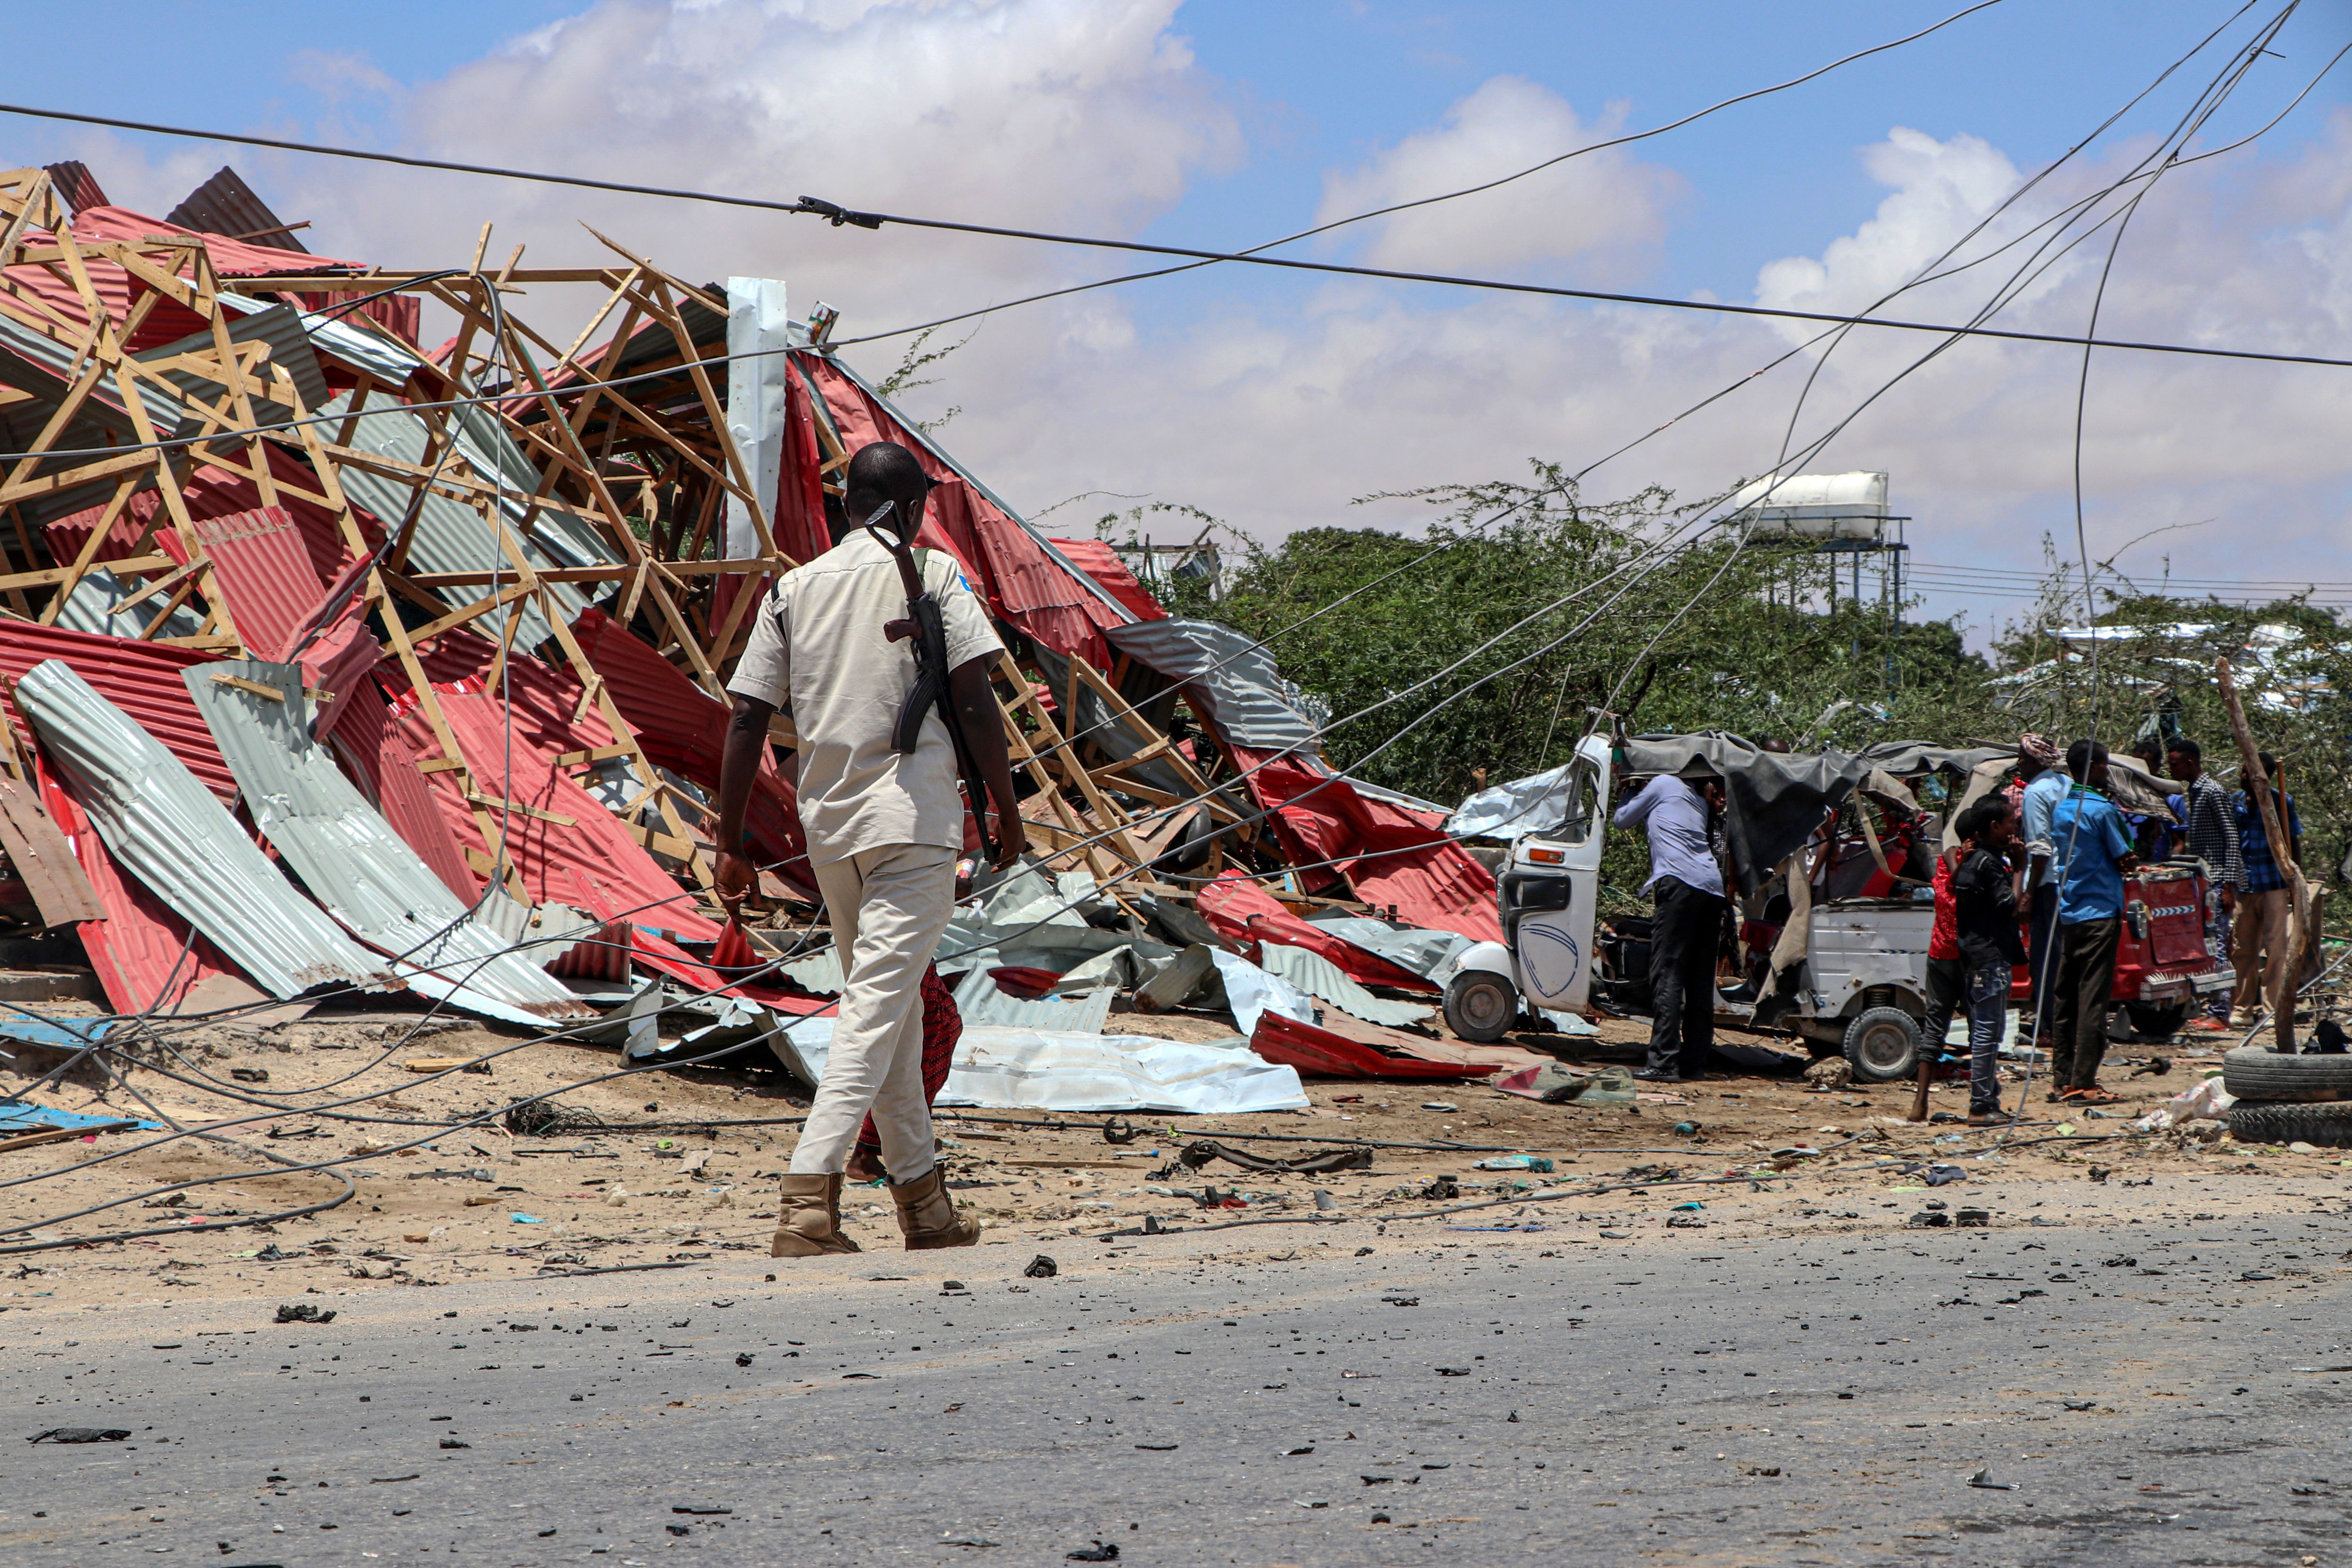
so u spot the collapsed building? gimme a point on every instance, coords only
(332, 660)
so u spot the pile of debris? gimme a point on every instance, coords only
(330, 660)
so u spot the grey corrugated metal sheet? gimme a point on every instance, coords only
(1329, 983)
(350, 858)
(41, 363)
(451, 536)
(280, 327)
(169, 832)
(1231, 675)
(89, 609)
(819, 973)
(980, 1002)
(226, 204)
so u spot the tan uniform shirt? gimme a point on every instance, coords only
(817, 648)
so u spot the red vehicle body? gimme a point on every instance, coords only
(2162, 966)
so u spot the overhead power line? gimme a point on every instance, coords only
(839, 215)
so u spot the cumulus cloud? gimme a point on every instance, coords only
(1596, 208)
(1292, 395)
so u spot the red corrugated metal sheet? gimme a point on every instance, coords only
(683, 728)
(373, 751)
(1021, 582)
(166, 321)
(1101, 562)
(140, 678)
(544, 697)
(216, 492)
(264, 573)
(1243, 910)
(1319, 1051)
(591, 845)
(337, 662)
(230, 257)
(1391, 856)
(140, 952)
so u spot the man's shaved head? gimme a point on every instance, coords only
(883, 472)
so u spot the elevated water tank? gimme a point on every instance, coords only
(1824, 506)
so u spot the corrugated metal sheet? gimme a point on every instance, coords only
(1095, 558)
(450, 535)
(1231, 678)
(1393, 857)
(278, 326)
(574, 845)
(1425, 953)
(350, 858)
(225, 204)
(230, 257)
(980, 1002)
(179, 840)
(144, 955)
(263, 573)
(90, 608)
(820, 972)
(379, 757)
(141, 678)
(1011, 565)
(683, 728)
(917, 437)
(1323, 980)
(212, 491)
(76, 183)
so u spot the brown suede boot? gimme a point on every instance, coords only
(928, 1217)
(810, 1226)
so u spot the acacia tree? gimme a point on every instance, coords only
(1637, 606)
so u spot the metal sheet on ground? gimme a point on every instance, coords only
(348, 857)
(166, 828)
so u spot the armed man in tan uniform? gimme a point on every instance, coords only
(884, 825)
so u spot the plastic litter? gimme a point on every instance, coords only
(1514, 1163)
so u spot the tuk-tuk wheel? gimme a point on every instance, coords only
(1479, 1005)
(1883, 1044)
(2156, 1020)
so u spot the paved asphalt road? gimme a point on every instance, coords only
(1451, 1397)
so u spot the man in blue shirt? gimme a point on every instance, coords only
(2260, 954)
(2089, 852)
(1686, 888)
(2045, 785)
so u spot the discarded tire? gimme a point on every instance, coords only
(2329, 1126)
(1480, 1005)
(1883, 1044)
(2252, 1073)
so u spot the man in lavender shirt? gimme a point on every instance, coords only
(1686, 888)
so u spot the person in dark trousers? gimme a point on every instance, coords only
(1984, 917)
(2211, 834)
(2042, 785)
(1686, 888)
(2090, 852)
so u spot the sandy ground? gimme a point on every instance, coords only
(672, 1166)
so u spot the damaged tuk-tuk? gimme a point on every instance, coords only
(1831, 861)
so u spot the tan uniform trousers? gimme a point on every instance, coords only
(889, 907)
(2258, 942)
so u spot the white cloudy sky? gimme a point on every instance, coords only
(1271, 399)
